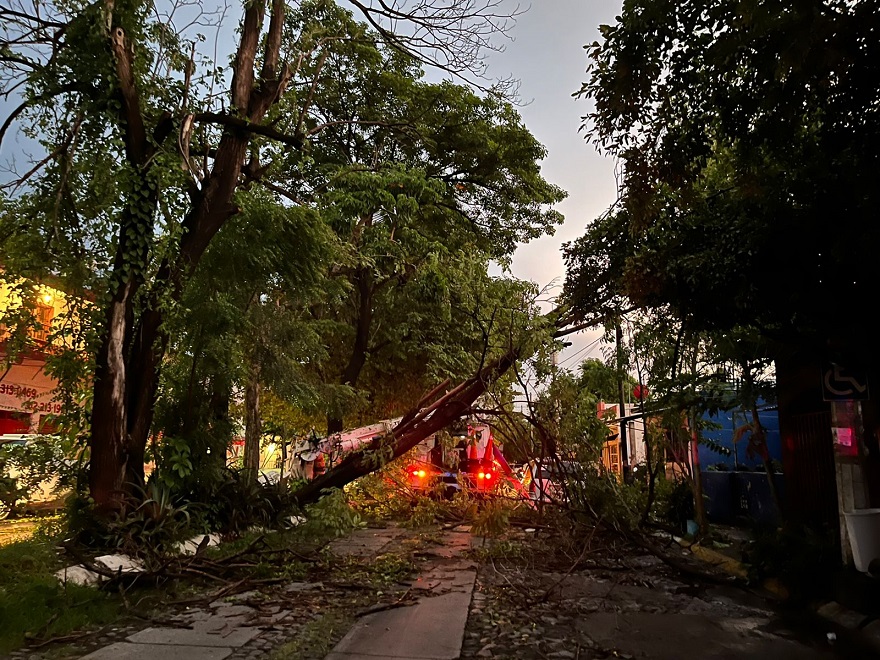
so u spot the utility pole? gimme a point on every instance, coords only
(624, 446)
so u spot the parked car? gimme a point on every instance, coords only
(544, 480)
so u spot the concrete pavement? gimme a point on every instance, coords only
(431, 629)
(452, 610)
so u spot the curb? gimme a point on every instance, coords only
(731, 566)
(858, 627)
(854, 628)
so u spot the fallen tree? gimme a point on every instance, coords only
(435, 411)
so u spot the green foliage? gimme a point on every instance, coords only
(37, 465)
(566, 413)
(601, 381)
(389, 199)
(34, 604)
(149, 526)
(427, 511)
(603, 496)
(500, 550)
(175, 462)
(391, 568)
(492, 519)
(331, 516)
(229, 501)
(740, 127)
(410, 301)
(316, 638)
(674, 504)
(380, 495)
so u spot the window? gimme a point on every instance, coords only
(44, 314)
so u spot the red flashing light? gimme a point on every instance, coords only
(421, 473)
(482, 475)
(488, 475)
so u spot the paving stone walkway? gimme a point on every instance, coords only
(433, 628)
(241, 627)
(623, 604)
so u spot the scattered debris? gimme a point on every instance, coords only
(79, 575)
(193, 545)
(120, 564)
(104, 568)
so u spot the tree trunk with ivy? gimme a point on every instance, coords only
(145, 160)
(127, 367)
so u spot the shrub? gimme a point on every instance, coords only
(674, 503)
(331, 516)
(26, 468)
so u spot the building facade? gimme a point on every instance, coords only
(27, 392)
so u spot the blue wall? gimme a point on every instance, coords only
(733, 497)
(729, 421)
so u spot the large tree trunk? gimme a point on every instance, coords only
(426, 418)
(107, 443)
(360, 348)
(127, 363)
(110, 457)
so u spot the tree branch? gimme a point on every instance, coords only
(248, 127)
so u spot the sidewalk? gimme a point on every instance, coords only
(242, 627)
(433, 628)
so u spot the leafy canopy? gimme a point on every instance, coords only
(749, 135)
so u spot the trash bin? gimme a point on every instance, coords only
(863, 527)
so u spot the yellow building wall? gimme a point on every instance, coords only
(25, 388)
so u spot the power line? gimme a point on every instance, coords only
(588, 347)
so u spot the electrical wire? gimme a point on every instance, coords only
(588, 347)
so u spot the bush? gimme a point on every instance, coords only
(149, 524)
(605, 496)
(331, 516)
(27, 469)
(229, 500)
(674, 503)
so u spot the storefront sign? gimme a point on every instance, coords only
(23, 391)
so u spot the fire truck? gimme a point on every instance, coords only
(464, 456)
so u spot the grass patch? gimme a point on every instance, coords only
(35, 605)
(381, 571)
(317, 638)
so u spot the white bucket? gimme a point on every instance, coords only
(863, 527)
